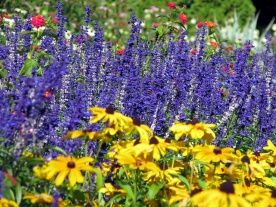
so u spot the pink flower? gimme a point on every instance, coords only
(38, 21)
(171, 5)
(201, 24)
(183, 18)
(54, 20)
(121, 51)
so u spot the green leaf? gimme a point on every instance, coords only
(128, 189)
(273, 178)
(8, 194)
(202, 183)
(27, 33)
(110, 202)
(153, 190)
(78, 195)
(2, 39)
(3, 73)
(29, 64)
(18, 193)
(55, 148)
(183, 179)
(99, 179)
(159, 29)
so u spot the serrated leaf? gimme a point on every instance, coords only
(99, 180)
(153, 190)
(29, 64)
(18, 193)
(183, 179)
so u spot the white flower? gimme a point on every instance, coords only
(273, 27)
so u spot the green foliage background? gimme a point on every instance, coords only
(119, 11)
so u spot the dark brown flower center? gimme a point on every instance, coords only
(247, 182)
(153, 140)
(109, 110)
(195, 191)
(168, 140)
(245, 159)
(217, 150)
(88, 205)
(257, 154)
(227, 187)
(137, 141)
(137, 121)
(193, 122)
(71, 164)
(273, 194)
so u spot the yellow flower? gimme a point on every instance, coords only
(7, 203)
(143, 130)
(43, 198)
(68, 166)
(134, 162)
(108, 115)
(194, 129)
(85, 133)
(110, 190)
(39, 172)
(224, 196)
(155, 148)
(212, 153)
(177, 195)
(268, 202)
(271, 147)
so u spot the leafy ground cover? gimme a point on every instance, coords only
(162, 122)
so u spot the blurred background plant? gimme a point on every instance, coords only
(113, 15)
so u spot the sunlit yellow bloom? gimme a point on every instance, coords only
(270, 147)
(268, 202)
(108, 115)
(157, 174)
(39, 172)
(193, 129)
(68, 166)
(222, 197)
(134, 162)
(155, 148)
(179, 195)
(143, 130)
(212, 153)
(110, 190)
(7, 203)
(43, 198)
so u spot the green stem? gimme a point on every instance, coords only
(98, 152)
(192, 173)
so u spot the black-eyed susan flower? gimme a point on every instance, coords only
(224, 196)
(7, 203)
(108, 115)
(39, 172)
(154, 148)
(134, 162)
(194, 129)
(269, 201)
(213, 153)
(86, 135)
(70, 166)
(270, 147)
(43, 198)
(143, 130)
(110, 190)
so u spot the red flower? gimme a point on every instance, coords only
(47, 94)
(194, 52)
(230, 48)
(6, 16)
(224, 68)
(54, 20)
(214, 44)
(154, 25)
(201, 24)
(38, 21)
(121, 51)
(183, 18)
(1, 19)
(52, 14)
(171, 5)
